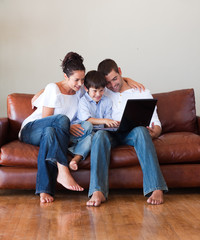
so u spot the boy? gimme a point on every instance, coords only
(94, 106)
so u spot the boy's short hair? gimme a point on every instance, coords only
(107, 65)
(95, 79)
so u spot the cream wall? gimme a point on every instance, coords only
(156, 42)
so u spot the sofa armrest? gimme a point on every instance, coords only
(3, 130)
(198, 125)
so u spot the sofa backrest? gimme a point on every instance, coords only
(18, 108)
(177, 111)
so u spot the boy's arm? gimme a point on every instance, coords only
(106, 121)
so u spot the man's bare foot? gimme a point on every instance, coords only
(65, 178)
(46, 198)
(96, 199)
(73, 165)
(156, 198)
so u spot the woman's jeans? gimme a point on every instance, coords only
(52, 135)
(140, 139)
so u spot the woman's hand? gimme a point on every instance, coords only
(111, 123)
(76, 130)
(134, 84)
(154, 131)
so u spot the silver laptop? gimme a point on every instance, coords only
(137, 112)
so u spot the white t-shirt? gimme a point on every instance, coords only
(53, 98)
(119, 102)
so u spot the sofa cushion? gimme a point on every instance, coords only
(176, 111)
(21, 154)
(179, 147)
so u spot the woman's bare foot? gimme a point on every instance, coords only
(96, 199)
(73, 165)
(65, 178)
(156, 198)
(46, 198)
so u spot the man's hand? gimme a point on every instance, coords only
(76, 130)
(133, 84)
(154, 131)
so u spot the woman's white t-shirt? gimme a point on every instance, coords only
(53, 98)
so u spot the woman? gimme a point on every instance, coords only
(50, 125)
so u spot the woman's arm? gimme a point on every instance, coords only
(46, 111)
(134, 84)
(35, 97)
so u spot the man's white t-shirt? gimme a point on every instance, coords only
(119, 102)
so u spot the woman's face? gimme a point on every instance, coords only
(76, 80)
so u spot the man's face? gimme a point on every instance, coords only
(114, 81)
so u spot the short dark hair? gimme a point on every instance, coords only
(72, 62)
(94, 79)
(107, 65)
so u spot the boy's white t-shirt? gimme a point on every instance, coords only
(53, 98)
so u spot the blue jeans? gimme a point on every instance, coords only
(82, 145)
(140, 139)
(52, 135)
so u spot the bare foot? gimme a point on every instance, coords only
(156, 198)
(96, 199)
(46, 198)
(65, 178)
(73, 165)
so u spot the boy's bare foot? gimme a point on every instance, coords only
(46, 198)
(73, 165)
(156, 198)
(96, 199)
(65, 178)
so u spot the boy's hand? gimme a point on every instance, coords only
(76, 130)
(111, 123)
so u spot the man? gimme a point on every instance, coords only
(140, 137)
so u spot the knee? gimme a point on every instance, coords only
(48, 134)
(88, 127)
(102, 136)
(62, 121)
(141, 132)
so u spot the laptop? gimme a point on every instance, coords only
(137, 112)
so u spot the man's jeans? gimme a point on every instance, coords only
(141, 140)
(52, 135)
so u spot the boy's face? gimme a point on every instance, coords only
(96, 93)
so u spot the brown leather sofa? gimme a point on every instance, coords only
(178, 147)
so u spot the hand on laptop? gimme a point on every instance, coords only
(111, 123)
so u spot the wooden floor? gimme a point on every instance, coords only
(125, 216)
